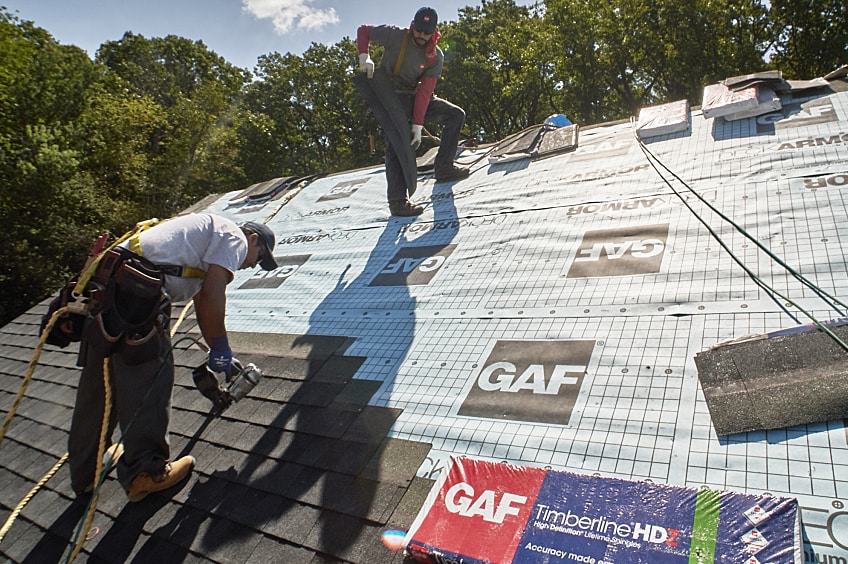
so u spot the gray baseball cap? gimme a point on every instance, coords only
(266, 237)
(425, 20)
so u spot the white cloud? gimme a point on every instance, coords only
(291, 14)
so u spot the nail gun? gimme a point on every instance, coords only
(234, 389)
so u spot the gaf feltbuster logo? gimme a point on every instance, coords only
(287, 266)
(343, 190)
(535, 381)
(413, 266)
(624, 251)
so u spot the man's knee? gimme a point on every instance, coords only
(455, 114)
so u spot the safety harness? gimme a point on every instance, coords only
(402, 54)
(169, 269)
(119, 289)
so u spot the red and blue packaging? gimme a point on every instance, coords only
(495, 512)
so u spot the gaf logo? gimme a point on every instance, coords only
(287, 266)
(413, 266)
(625, 251)
(461, 499)
(602, 149)
(797, 115)
(343, 190)
(536, 381)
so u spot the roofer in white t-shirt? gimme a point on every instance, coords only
(191, 256)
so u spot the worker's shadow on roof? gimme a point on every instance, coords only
(53, 543)
(341, 473)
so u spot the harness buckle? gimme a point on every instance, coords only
(80, 306)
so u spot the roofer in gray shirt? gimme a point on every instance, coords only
(190, 256)
(414, 61)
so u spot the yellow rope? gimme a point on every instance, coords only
(181, 317)
(88, 272)
(25, 500)
(27, 377)
(32, 364)
(107, 411)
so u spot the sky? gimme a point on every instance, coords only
(238, 30)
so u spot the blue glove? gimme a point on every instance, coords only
(221, 355)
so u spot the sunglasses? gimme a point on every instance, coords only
(262, 253)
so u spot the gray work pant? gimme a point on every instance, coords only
(141, 382)
(451, 117)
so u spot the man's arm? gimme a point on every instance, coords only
(363, 43)
(210, 305)
(363, 38)
(422, 98)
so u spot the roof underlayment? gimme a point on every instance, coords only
(543, 311)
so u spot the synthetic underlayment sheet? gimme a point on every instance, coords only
(547, 312)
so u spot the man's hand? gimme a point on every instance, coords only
(416, 136)
(366, 65)
(221, 356)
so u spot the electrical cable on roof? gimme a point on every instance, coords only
(827, 298)
(801, 278)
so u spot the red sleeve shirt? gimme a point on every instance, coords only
(415, 73)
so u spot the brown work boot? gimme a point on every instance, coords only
(173, 474)
(110, 460)
(451, 172)
(404, 208)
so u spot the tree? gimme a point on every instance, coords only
(497, 69)
(302, 115)
(47, 211)
(811, 37)
(198, 92)
(615, 58)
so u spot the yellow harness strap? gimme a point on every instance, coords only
(401, 54)
(188, 271)
(91, 266)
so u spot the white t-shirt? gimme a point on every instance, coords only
(196, 241)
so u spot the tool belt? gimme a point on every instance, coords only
(123, 302)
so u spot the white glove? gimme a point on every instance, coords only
(416, 136)
(366, 65)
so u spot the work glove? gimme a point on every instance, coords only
(221, 356)
(366, 65)
(416, 136)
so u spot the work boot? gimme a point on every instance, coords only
(110, 460)
(451, 172)
(404, 208)
(173, 474)
(112, 454)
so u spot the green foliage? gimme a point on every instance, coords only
(615, 58)
(497, 69)
(48, 214)
(811, 36)
(190, 94)
(153, 125)
(303, 114)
